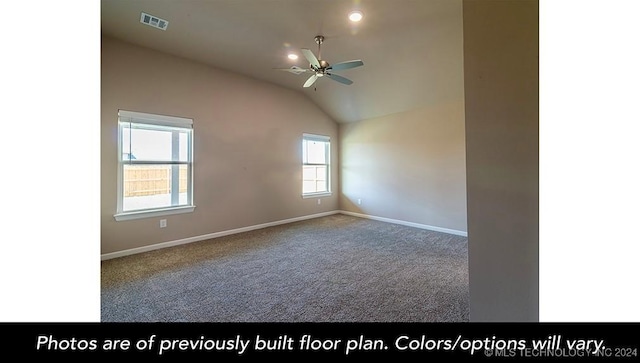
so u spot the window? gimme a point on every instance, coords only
(155, 165)
(315, 165)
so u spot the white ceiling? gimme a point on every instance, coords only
(411, 49)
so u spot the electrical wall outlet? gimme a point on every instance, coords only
(319, 201)
(163, 223)
(359, 201)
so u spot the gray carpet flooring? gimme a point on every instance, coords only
(331, 269)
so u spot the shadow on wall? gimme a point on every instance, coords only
(352, 204)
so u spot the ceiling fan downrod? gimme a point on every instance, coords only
(319, 39)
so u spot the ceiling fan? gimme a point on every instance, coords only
(320, 68)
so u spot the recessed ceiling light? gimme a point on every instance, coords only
(355, 16)
(292, 56)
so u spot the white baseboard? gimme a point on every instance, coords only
(405, 223)
(157, 246)
(132, 251)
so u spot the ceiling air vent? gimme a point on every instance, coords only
(153, 21)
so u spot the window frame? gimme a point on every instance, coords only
(327, 141)
(158, 121)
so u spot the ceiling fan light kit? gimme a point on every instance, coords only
(320, 67)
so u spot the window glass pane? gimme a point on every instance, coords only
(304, 151)
(151, 143)
(126, 133)
(321, 186)
(321, 172)
(182, 184)
(183, 146)
(316, 152)
(308, 186)
(308, 173)
(150, 186)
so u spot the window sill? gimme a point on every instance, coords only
(153, 213)
(316, 195)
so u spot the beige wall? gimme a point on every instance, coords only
(501, 115)
(408, 166)
(247, 144)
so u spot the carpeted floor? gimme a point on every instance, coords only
(332, 269)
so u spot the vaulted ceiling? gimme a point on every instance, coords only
(411, 49)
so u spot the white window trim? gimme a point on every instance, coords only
(125, 216)
(316, 195)
(320, 138)
(160, 120)
(313, 137)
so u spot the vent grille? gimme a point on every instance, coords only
(153, 21)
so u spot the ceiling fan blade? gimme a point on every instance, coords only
(311, 57)
(340, 79)
(346, 65)
(310, 81)
(294, 70)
